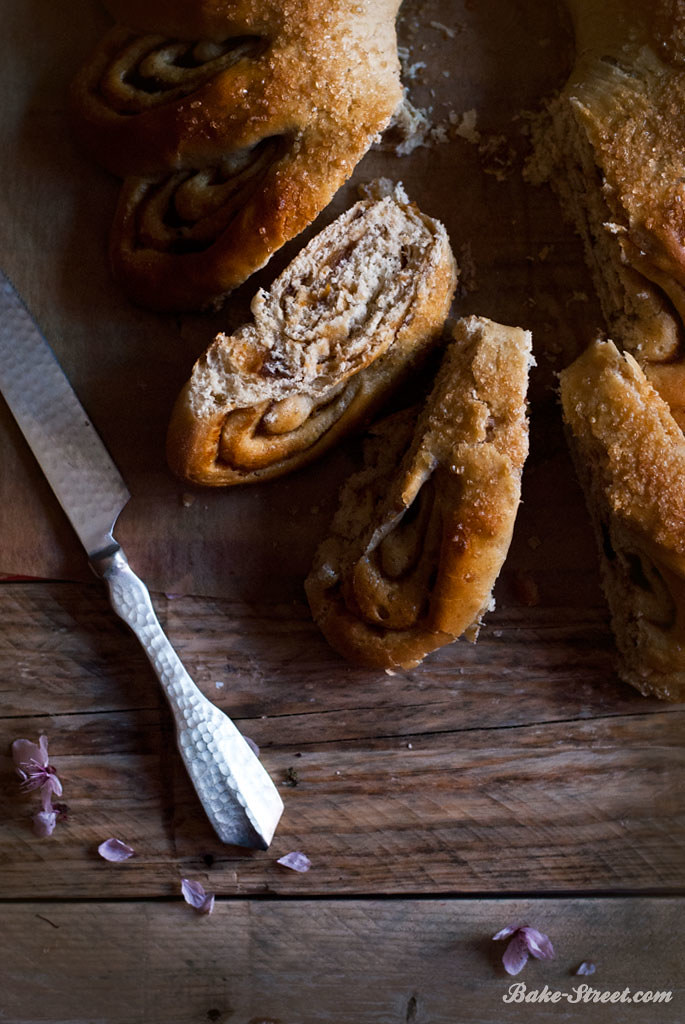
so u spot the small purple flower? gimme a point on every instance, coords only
(194, 894)
(525, 942)
(33, 768)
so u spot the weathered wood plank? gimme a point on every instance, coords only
(334, 962)
(522, 769)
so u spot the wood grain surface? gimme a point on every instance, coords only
(342, 961)
(517, 767)
(518, 764)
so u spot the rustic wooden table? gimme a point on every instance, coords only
(514, 780)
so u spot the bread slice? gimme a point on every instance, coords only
(233, 124)
(612, 144)
(423, 529)
(630, 457)
(337, 332)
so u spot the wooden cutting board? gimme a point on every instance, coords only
(520, 764)
(476, 69)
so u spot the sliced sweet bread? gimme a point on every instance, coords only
(423, 529)
(337, 332)
(630, 458)
(612, 144)
(233, 123)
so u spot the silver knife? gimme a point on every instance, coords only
(239, 797)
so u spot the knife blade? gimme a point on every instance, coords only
(239, 797)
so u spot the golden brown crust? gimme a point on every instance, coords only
(614, 146)
(234, 124)
(630, 456)
(414, 552)
(339, 329)
(616, 138)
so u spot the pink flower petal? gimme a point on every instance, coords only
(52, 785)
(504, 933)
(537, 943)
(44, 823)
(194, 893)
(114, 850)
(296, 861)
(24, 752)
(587, 967)
(516, 954)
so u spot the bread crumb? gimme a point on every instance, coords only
(409, 128)
(448, 33)
(466, 126)
(467, 267)
(187, 499)
(497, 157)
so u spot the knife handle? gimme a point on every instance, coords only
(239, 797)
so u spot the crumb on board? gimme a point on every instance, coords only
(465, 125)
(447, 32)
(497, 156)
(467, 269)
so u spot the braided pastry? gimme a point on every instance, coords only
(233, 124)
(630, 458)
(339, 329)
(414, 551)
(613, 146)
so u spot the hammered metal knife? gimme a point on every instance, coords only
(240, 799)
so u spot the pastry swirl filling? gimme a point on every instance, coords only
(390, 584)
(186, 212)
(148, 70)
(422, 530)
(272, 431)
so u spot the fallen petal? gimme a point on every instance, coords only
(587, 967)
(114, 850)
(504, 933)
(537, 943)
(44, 823)
(516, 954)
(194, 893)
(296, 861)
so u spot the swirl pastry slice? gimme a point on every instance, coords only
(423, 529)
(233, 124)
(338, 330)
(613, 146)
(630, 457)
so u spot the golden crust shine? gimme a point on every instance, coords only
(233, 125)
